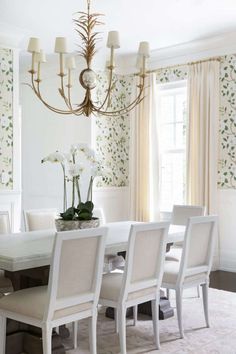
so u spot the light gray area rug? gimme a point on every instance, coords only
(219, 339)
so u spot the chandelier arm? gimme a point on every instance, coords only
(108, 89)
(127, 108)
(63, 95)
(78, 111)
(123, 111)
(69, 98)
(38, 94)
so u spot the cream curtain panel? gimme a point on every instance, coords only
(202, 151)
(144, 162)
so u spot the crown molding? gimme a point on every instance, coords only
(11, 36)
(185, 52)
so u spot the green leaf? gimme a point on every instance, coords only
(69, 214)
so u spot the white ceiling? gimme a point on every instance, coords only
(162, 22)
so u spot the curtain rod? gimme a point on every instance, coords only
(186, 64)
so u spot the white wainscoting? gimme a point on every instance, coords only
(227, 229)
(11, 201)
(114, 201)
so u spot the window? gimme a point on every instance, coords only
(172, 104)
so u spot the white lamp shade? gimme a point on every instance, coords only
(40, 57)
(34, 45)
(60, 45)
(70, 63)
(144, 49)
(113, 40)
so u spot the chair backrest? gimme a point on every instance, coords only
(5, 227)
(40, 219)
(198, 248)
(181, 213)
(99, 213)
(76, 269)
(145, 257)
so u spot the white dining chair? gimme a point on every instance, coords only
(5, 228)
(72, 293)
(141, 279)
(181, 213)
(195, 265)
(40, 219)
(180, 216)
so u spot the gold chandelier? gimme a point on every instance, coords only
(85, 26)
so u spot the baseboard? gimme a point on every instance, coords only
(228, 261)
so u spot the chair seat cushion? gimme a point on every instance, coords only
(174, 254)
(171, 272)
(31, 302)
(111, 287)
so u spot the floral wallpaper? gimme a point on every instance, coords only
(227, 160)
(172, 74)
(6, 118)
(112, 134)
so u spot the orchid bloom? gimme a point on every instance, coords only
(55, 157)
(76, 169)
(74, 163)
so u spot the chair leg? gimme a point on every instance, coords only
(198, 291)
(205, 303)
(47, 339)
(116, 320)
(135, 314)
(75, 332)
(3, 321)
(122, 329)
(179, 311)
(168, 294)
(155, 321)
(93, 334)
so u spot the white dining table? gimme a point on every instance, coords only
(25, 250)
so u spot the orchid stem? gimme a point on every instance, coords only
(73, 192)
(78, 190)
(64, 188)
(89, 194)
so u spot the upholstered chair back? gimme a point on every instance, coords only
(5, 227)
(40, 219)
(181, 213)
(145, 257)
(76, 270)
(198, 246)
(99, 213)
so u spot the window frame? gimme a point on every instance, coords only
(179, 87)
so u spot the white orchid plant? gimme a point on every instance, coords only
(73, 170)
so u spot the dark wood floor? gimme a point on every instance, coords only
(223, 280)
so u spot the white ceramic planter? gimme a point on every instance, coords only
(68, 225)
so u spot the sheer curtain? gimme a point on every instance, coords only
(202, 155)
(144, 156)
